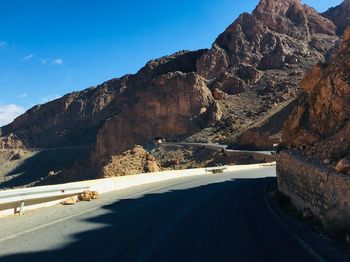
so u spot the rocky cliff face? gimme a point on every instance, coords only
(255, 66)
(276, 34)
(71, 120)
(260, 58)
(314, 173)
(320, 123)
(340, 15)
(166, 93)
(170, 105)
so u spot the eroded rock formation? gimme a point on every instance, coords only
(170, 105)
(131, 162)
(320, 124)
(71, 120)
(262, 57)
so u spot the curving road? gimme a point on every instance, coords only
(226, 217)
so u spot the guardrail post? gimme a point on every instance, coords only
(21, 209)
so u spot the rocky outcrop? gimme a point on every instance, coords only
(173, 105)
(343, 166)
(320, 123)
(340, 16)
(266, 133)
(277, 33)
(263, 56)
(292, 18)
(10, 141)
(131, 162)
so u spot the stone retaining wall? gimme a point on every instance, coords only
(309, 185)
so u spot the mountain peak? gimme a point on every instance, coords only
(275, 6)
(292, 18)
(339, 15)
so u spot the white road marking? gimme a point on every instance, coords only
(302, 243)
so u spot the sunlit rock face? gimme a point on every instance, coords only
(322, 118)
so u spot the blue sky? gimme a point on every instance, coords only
(52, 47)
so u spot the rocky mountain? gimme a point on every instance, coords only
(76, 118)
(260, 59)
(71, 120)
(320, 124)
(340, 16)
(222, 94)
(165, 99)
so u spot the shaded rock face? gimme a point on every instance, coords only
(323, 115)
(340, 15)
(131, 162)
(71, 120)
(166, 93)
(172, 105)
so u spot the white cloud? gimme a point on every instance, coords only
(57, 61)
(3, 44)
(46, 61)
(9, 112)
(23, 96)
(28, 57)
(49, 98)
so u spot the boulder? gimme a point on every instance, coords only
(326, 161)
(88, 195)
(131, 162)
(343, 166)
(218, 94)
(70, 201)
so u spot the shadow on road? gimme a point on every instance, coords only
(225, 221)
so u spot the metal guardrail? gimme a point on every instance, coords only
(221, 147)
(27, 194)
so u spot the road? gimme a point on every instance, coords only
(224, 217)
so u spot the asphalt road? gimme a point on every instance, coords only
(224, 217)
